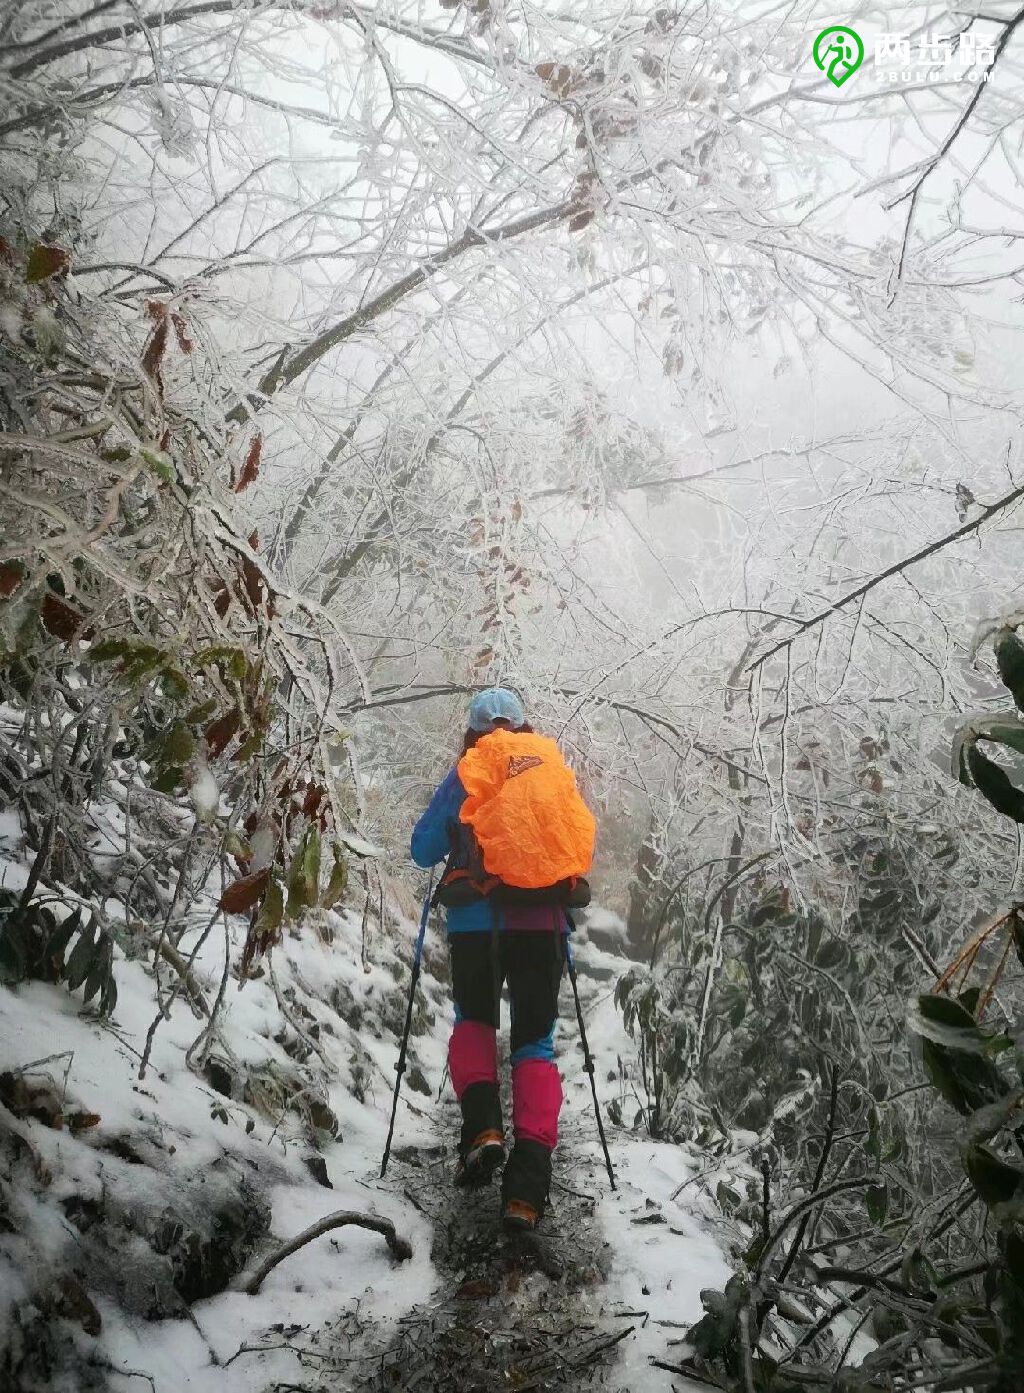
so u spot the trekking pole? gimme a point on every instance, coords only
(588, 1058)
(400, 1066)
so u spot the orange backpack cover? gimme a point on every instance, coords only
(532, 826)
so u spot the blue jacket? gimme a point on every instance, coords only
(437, 834)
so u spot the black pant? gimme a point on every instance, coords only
(531, 962)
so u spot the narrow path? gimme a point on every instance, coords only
(510, 1313)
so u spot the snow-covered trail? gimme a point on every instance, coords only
(611, 1277)
(129, 1239)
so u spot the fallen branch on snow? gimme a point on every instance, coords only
(401, 1247)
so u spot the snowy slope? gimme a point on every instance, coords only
(663, 1250)
(157, 1137)
(109, 1211)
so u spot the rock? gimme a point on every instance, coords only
(168, 1237)
(348, 1008)
(593, 971)
(417, 1081)
(82, 1211)
(69, 1299)
(604, 929)
(317, 1167)
(210, 1237)
(221, 1077)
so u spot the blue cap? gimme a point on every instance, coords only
(495, 704)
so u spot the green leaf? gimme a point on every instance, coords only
(109, 650)
(967, 1082)
(178, 745)
(995, 1180)
(101, 964)
(108, 996)
(201, 713)
(168, 779)
(1009, 649)
(226, 656)
(235, 845)
(143, 661)
(250, 746)
(969, 1000)
(45, 261)
(338, 881)
(160, 463)
(311, 864)
(995, 785)
(297, 901)
(81, 958)
(1009, 733)
(268, 921)
(943, 1010)
(60, 938)
(947, 1022)
(174, 683)
(873, 1145)
(14, 945)
(831, 954)
(876, 1200)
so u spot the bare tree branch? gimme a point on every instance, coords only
(401, 1247)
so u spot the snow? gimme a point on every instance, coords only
(663, 1254)
(203, 791)
(359, 846)
(662, 1250)
(597, 921)
(171, 1117)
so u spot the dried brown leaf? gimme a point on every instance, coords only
(243, 894)
(219, 732)
(59, 618)
(82, 1121)
(154, 354)
(12, 573)
(251, 469)
(181, 333)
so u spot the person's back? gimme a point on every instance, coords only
(517, 837)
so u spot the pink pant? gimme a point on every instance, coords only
(536, 1087)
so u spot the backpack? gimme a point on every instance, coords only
(530, 833)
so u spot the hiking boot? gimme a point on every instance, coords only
(525, 1185)
(519, 1216)
(485, 1154)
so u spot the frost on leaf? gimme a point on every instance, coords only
(203, 790)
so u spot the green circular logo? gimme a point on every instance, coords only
(838, 52)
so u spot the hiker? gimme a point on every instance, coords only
(518, 838)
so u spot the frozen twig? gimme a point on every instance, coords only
(401, 1247)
